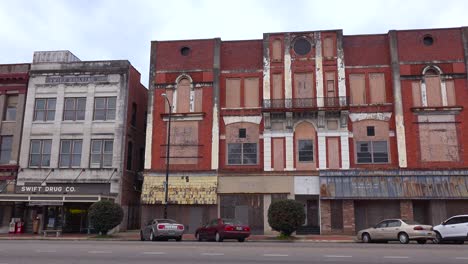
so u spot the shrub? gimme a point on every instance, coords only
(105, 215)
(286, 216)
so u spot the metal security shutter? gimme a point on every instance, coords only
(369, 213)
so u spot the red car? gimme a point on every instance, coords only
(222, 228)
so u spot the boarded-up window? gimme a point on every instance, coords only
(433, 92)
(328, 47)
(451, 98)
(277, 50)
(251, 92)
(233, 88)
(333, 153)
(184, 143)
(416, 86)
(330, 78)
(183, 96)
(278, 154)
(198, 100)
(169, 94)
(357, 88)
(303, 88)
(377, 88)
(438, 142)
(277, 86)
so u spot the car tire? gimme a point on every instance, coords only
(198, 237)
(366, 238)
(142, 237)
(438, 238)
(403, 238)
(178, 239)
(218, 237)
(422, 241)
(241, 239)
(152, 237)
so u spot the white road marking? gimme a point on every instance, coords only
(275, 255)
(395, 257)
(461, 258)
(212, 254)
(45, 251)
(154, 253)
(99, 252)
(337, 256)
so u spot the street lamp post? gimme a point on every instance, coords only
(166, 184)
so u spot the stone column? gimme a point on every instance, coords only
(349, 223)
(406, 210)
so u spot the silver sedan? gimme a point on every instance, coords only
(162, 229)
(398, 230)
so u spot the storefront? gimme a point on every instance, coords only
(307, 191)
(57, 206)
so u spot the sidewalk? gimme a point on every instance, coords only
(135, 236)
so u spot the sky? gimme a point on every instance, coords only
(123, 29)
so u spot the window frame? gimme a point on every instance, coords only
(371, 151)
(75, 109)
(71, 154)
(46, 109)
(242, 153)
(299, 151)
(106, 110)
(102, 153)
(40, 153)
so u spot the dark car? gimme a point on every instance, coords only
(162, 229)
(223, 228)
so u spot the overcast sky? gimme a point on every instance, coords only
(118, 29)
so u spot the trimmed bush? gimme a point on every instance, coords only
(286, 216)
(105, 215)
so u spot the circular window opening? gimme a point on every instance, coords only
(302, 46)
(185, 51)
(428, 40)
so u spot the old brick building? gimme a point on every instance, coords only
(357, 128)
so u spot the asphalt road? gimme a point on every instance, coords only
(134, 252)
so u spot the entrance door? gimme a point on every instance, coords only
(312, 213)
(53, 218)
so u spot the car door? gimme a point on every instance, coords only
(392, 230)
(379, 230)
(461, 227)
(450, 227)
(210, 230)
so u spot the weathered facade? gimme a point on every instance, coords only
(357, 128)
(13, 86)
(83, 141)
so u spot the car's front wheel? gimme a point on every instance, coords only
(403, 238)
(437, 239)
(218, 237)
(152, 237)
(366, 238)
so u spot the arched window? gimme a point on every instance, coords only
(433, 87)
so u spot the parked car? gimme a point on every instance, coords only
(453, 229)
(162, 229)
(397, 230)
(223, 228)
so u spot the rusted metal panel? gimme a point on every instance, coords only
(416, 187)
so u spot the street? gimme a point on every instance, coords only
(50, 252)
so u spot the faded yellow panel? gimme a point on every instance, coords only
(377, 88)
(183, 96)
(303, 85)
(451, 96)
(357, 87)
(198, 100)
(251, 92)
(328, 47)
(191, 190)
(278, 154)
(277, 86)
(416, 86)
(277, 50)
(433, 91)
(233, 92)
(333, 153)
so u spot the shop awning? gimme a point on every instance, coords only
(397, 187)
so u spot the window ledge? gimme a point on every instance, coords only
(104, 121)
(9, 121)
(426, 109)
(43, 122)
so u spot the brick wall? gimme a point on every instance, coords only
(325, 216)
(406, 210)
(349, 226)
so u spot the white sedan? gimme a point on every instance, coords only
(397, 230)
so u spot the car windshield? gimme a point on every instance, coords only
(168, 221)
(411, 222)
(231, 222)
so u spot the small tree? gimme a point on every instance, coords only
(105, 215)
(286, 216)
